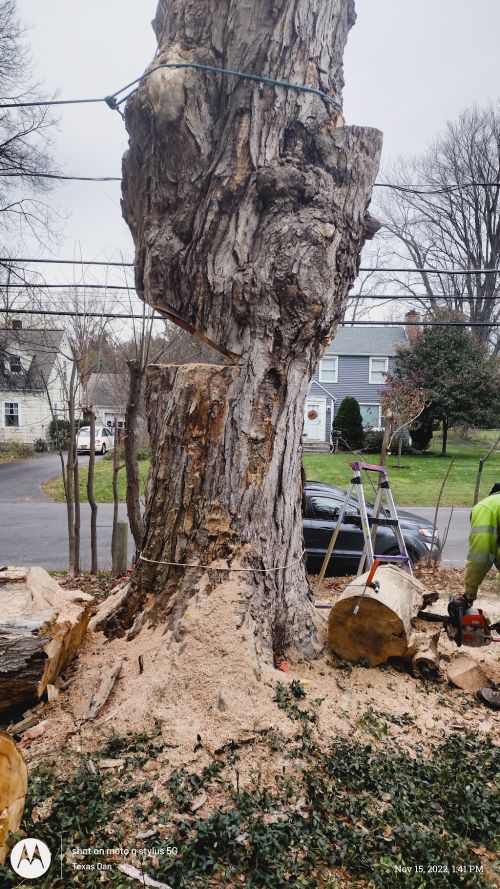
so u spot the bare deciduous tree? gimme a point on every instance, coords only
(24, 138)
(449, 227)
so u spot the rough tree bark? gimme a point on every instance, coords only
(248, 207)
(135, 378)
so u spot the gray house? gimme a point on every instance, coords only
(355, 363)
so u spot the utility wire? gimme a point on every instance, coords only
(375, 323)
(113, 102)
(409, 189)
(66, 286)
(12, 261)
(428, 190)
(400, 297)
(60, 314)
(6, 260)
(69, 178)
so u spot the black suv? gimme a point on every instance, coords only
(323, 504)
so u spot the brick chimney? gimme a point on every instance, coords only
(17, 324)
(412, 331)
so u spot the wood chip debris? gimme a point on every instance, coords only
(135, 874)
(102, 694)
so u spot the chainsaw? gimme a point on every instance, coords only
(465, 624)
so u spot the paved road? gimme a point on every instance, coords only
(455, 551)
(33, 528)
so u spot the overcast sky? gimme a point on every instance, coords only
(409, 67)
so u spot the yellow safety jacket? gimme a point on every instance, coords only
(484, 542)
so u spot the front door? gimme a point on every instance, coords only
(314, 423)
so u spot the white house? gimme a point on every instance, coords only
(108, 394)
(35, 366)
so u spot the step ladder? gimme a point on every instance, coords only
(369, 524)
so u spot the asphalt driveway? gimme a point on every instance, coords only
(33, 529)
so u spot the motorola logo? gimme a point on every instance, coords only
(30, 858)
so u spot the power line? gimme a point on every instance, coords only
(113, 102)
(12, 261)
(374, 323)
(429, 190)
(61, 314)
(68, 178)
(429, 271)
(67, 286)
(7, 260)
(400, 297)
(409, 189)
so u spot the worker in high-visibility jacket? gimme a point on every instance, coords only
(484, 541)
(484, 552)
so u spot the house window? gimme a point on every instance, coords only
(371, 415)
(65, 371)
(11, 413)
(15, 365)
(379, 368)
(328, 369)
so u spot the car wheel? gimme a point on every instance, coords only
(103, 450)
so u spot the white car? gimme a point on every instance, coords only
(104, 440)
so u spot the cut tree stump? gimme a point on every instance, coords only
(13, 788)
(383, 626)
(41, 627)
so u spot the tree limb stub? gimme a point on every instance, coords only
(248, 205)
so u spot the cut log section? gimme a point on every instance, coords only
(41, 627)
(366, 625)
(13, 788)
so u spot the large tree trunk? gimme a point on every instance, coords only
(248, 207)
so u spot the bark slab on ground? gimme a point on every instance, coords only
(41, 628)
(248, 207)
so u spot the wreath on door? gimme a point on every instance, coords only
(312, 415)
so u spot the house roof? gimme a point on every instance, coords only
(108, 390)
(367, 341)
(42, 345)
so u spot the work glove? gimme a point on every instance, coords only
(469, 599)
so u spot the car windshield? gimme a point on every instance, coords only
(85, 432)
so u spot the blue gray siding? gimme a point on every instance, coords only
(353, 379)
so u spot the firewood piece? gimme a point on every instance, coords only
(383, 625)
(41, 627)
(422, 647)
(13, 788)
(103, 692)
(466, 674)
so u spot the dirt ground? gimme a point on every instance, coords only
(206, 684)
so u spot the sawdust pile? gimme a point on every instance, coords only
(210, 682)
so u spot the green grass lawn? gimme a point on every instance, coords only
(417, 484)
(103, 483)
